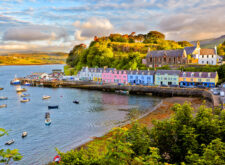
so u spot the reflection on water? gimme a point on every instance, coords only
(72, 124)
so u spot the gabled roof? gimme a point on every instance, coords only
(190, 49)
(205, 51)
(161, 53)
(198, 74)
(169, 72)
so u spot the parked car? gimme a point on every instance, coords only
(216, 92)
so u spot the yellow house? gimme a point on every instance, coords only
(206, 79)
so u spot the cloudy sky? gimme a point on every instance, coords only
(57, 25)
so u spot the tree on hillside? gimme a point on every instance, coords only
(184, 43)
(221, 49)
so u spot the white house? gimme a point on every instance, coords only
(207, 56)
(93, 74)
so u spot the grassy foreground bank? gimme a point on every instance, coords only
(192, 135)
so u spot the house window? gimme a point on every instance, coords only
(174, 79)
(207, 56)
(184, 79)
(192, 79)
(131, 77)
(208, 80)
(199, 80)
(202, 62)
(212, 56)
(165, 78)
(212, 62)
(124, 76)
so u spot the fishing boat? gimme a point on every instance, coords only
(53, 107)
(15, 81)
(25, 95)
(3, 106)
(27, 84)
(10, 142)
(1, 88)
(19, 89)
(3, 98)
(24, 100)
(24, 134)
(46, 97)
(57, 159)
(122, 92)
(76, 102)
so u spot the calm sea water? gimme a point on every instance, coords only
(72, 124)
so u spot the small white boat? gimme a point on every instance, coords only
(3, 106)
(3, 98)
(21, 89)
(23, 100)
(24, 134)
(10, 142)
(15, 82)
(46, 97)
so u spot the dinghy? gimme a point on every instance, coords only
(1, 88)
(46, 97)
(24, 100)
(3, 106)
(25, 95)
(3, 98)
(48, 121)
(53, 107)
(76, 102)
(24, 134)
(10, 142)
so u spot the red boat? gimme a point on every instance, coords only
(57, 159)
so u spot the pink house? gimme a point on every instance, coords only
(111, 75)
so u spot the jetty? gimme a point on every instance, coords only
(133, 89)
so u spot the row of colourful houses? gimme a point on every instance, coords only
(149, 77)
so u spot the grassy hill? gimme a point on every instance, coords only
(119, 51)
(210, 43)
(37, 58)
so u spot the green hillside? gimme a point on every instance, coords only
(210, 43)
(119, 51)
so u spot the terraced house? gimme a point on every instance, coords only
(207, 79)
(140, 77)
(167, 77)
(111, 75)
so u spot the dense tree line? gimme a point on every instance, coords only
(185, 138)
(221, 49)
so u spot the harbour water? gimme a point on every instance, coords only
(72, 124)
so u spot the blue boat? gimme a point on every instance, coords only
(15, 82)
(27, 84)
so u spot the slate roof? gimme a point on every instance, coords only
(190, 49)
(204, 51)
(141, 72)
(198, 74)
(169, 72)
(161, 53)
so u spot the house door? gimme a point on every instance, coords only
(161, 83)
(169, 83)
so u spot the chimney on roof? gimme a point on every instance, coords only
(149, 49)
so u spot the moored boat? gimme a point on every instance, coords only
(57, 159)
(23, 100)
(122, 92)
(48, 121)
(53, 107)
(10, 142)
(46, 97)
(27, 84)
(19, 89)
(3, 98)
(24, 134)
(15, 82)
(3, 106)
(1, 88)
(76, 102)
(25, 95)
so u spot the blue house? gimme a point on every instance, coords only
(140, 77)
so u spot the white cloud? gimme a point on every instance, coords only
(92, 27)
